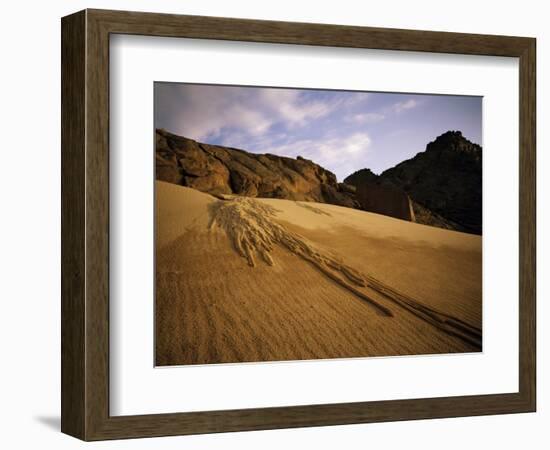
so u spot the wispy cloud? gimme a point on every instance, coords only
(364, 118)
(341, 155)
(342, 131)
(198, 112)
(289, 106)
(404, 105)
(203, 112)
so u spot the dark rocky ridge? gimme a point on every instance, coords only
(446, 179)
(362, 176)
(443, 182)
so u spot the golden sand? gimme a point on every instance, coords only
(244, 279)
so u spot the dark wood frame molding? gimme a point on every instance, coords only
(85, 224)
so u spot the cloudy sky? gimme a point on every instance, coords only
(340, 130)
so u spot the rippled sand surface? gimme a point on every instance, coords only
(242, 279)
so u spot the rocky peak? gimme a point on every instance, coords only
(446, 179)
(361, 176)
(453, 141)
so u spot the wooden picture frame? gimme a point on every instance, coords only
(85, 224)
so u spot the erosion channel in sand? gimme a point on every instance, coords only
(252, 229)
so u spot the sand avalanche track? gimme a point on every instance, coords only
(253, 230)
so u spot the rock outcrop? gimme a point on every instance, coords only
(222, 170)
(385, 199)
(361, 177)
(445, 179)
(443, 183)
(440, 186)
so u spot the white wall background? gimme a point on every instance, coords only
(30, 221)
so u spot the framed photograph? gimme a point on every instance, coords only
(271, 224)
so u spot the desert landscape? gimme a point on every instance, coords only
(262, 257)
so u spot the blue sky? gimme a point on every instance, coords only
(343, 131)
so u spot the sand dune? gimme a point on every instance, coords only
(244, 279)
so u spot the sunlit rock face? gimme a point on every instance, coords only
(222, 170)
